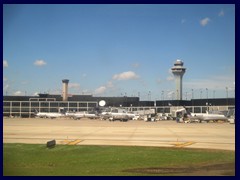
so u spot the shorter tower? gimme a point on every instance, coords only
(65, 89)
(178, 71)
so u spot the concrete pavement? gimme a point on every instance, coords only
(133, 133)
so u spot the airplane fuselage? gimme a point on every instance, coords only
(49, 115)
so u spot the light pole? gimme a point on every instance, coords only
(207, 93)
(163, 95)
(233, 89)
(192, 101)
(234, 92)
(200, 93)
(227, 95)
(214, 94)
(227, 92)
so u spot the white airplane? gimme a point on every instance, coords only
(48, 114)
(206, 117)
(79, 115)
(117, 114)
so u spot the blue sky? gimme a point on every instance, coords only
(117, 50)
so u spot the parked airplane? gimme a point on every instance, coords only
(79, 115)
(200, 117)
(117, 114)
(48, 114)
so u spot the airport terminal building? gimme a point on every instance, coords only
(25, 106)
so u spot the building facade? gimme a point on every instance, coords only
(26, 106)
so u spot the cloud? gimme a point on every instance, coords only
(17, 93)
(6, 87)
(5, 63)
(5, 84)
(183, 21)
(74, 88)
(109, 84)
(169, 71)
(74, 85)
(24, 82)
(159, 81)
(170, 94)
(100, 90)
(204, 21)
(170, 78)
(135, 65)
(56, 91)
(221, 13)
(40, 63)
(125, 76)
(35, 94)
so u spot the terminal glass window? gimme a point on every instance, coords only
(204, 109)
(6, 109)
(63, 104)
(34, 104)
(6, 104)
(16, 104)
(167, 110)
(197, 109)
(15, 109)
(25, 104)
(44, 104)
(82, 104)
(92, 105)
(25, 110)
(53, 104)
(72, 104)
(53, 110)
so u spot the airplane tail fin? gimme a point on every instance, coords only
(35, 112)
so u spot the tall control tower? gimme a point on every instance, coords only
(65, 89)
(178, 71)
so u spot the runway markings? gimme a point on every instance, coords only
(74, 142)
(184, 144)
(65, 141)
(68, 142)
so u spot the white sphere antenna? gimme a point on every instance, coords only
(102, 103)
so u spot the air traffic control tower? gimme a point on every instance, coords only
(65, 89)
(178, 71)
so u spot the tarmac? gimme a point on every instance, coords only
(166, 133)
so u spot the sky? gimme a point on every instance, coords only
(119, 50)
